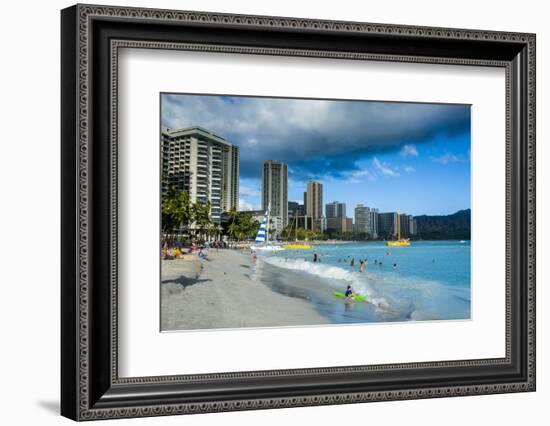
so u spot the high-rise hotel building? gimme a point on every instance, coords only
(362, 219)
(314, 200)
(387, 225)
(203, 164)
(374, 212)
(275, 192)
(314, 205)
(335, 209)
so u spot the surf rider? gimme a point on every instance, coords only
(349, 292)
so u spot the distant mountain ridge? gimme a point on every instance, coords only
(453, 227)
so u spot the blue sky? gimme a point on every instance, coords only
(390, 155)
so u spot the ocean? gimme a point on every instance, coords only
(429, 280)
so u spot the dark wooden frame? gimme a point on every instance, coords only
(91, 37)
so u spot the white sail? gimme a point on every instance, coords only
(262, 237)
(262, 232)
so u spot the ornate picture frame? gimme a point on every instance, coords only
(91, 38)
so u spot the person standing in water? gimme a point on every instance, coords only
(363, 266)
(315, 256)
(352, 263)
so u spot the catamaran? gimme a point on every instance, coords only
(400, 242)
(262, 237)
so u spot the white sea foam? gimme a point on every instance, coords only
(394, 295)
(330, 273)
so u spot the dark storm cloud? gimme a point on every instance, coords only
(314, 137)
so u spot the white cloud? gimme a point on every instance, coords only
(354, 177)
(243, 190)
(446, 159)
(245, 205)
(303, 133)
(384, 168)
(409, 169)
(409, 150)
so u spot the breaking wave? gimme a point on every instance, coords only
(329, 274)
(396, 297)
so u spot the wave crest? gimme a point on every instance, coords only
(358, 281)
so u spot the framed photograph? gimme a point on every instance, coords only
(263, 212)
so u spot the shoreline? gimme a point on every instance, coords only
(232, 290)
(223, 293)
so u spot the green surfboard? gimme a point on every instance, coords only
(358, 297)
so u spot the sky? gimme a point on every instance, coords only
(388, 155)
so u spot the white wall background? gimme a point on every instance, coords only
(29, 181)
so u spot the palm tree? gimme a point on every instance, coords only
(247, 226)
(232, 229)
(168, 211)
(201, 216)
(175, 210)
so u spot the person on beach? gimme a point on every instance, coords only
(254, 256)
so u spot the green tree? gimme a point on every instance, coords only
(232, 229)
(175, 210)
(288, 232)
(243, 226)
(201, 217)
(249, 226)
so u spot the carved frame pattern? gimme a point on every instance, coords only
(85, 13)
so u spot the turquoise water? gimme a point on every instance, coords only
(430, 279)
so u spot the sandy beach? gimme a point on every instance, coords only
(427, 281)
(222, 292)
